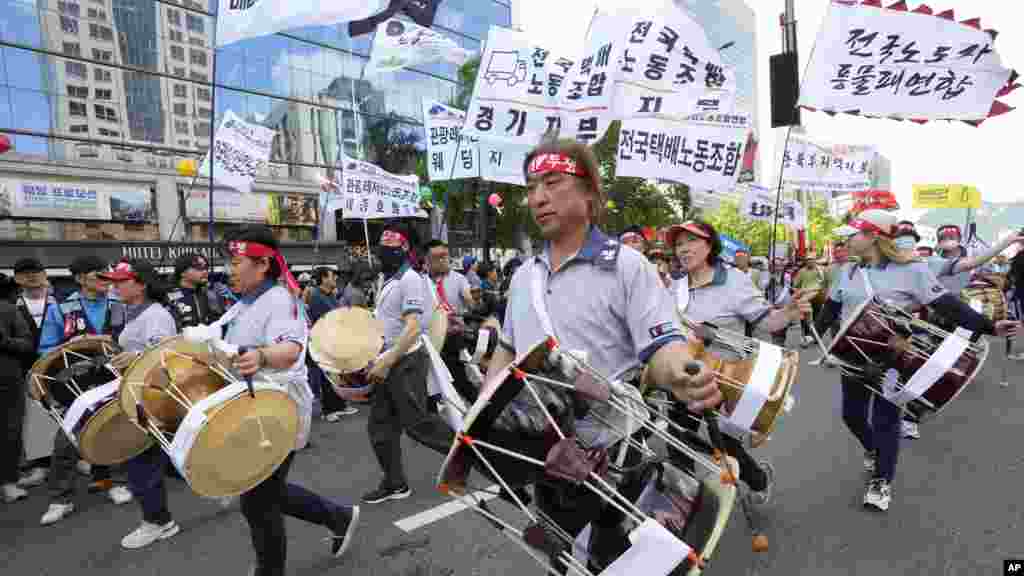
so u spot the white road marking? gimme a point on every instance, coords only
(443, 511)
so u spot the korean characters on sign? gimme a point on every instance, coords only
(883, 62)
(370, 192)
(450, 155)
(835, 169)
(704, 151)
(759, 204)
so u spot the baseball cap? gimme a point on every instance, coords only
(139, 270)
(87, 264)
(877, 221)
(28, 265)
(692, 227)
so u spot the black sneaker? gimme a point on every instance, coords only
(385, 492)
(341, 534)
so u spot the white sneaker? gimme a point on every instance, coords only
(84, 468)
(12, 493)
(56, 512)
(119, 495)
(870, 462)
(35, 477)
(879, 494)
(808, 341)
(148, 533)
(910, 430)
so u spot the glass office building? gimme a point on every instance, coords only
(101, 98)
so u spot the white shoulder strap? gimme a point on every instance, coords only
(682, 293)
(867, 283)
(537, 293)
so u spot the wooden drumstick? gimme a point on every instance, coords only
(693, 369)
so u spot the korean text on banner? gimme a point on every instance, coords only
(401, 44)
(886, 62)
(450, 155)
(371, 192)
(55, 199)
(503, 162)
(759, 204)
(241, 19)
(946, 196)
(240, 151)
(229, 205)
(703, 151)
(828, 169)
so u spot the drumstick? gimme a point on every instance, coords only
(248, 379)
(693, 369)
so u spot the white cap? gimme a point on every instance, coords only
(868, 221)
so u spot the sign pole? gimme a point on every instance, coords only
(366, 233)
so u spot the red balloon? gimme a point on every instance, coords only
(494, 200)
(5, 143)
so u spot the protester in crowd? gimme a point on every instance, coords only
(192, 300)
(469, 269)
(453, 293)
(810, 281)
(17, 346)
(321, 299)
(633, 236)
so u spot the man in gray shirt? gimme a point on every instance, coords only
(453, 293)
(399, 374)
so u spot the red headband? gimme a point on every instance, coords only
(257, 250)
(867, 226)
(555, 162)
(392, 236)
(949, 233)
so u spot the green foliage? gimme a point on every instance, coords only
(757, 234)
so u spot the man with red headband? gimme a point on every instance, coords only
(952, 264)
(399, 374)
(270, 324)
(597, 298)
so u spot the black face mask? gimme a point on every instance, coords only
(391, 259)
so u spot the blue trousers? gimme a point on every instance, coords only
(880, 433)
(265, 506)
(146, 473)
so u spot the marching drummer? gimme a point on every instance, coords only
(709, 291)
(192, 300)
(269, 323)
(953, 266)
(148, 322)
(86, 312)
(596, 296)
(886, 272)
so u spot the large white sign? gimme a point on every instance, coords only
(832, 169)
(703, 151)
(503, 162)
(759, 204)
(53, 199)
(401, 44)
(367, 191)
(450, 155)
(229, 205)
(240, 151)
(884, 62)
(241, 19)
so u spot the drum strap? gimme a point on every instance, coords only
(539, 305)
(867, 284)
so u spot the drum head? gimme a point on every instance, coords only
(438, 328)
(244, 440)
(46, 369)
(346, 340)
(109, 437)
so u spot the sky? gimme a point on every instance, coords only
(936, 153)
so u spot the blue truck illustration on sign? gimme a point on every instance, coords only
(507, 66)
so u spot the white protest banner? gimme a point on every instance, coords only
(666, 64)
(759, 204)
(241, 19)
(704, 151)
(503, 162)
(49, 199)
(450, 155)
(229, 205)
(240, 150)
(371, 192)
(890, 62)
(402, 44)
(831, 169)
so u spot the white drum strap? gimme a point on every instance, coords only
(759, 388)
(482, 341)
(88, 399)
(867, 283)
(541, 307)
(682, 294)
(935, 367)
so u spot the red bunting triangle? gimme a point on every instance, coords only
(923, 9)
(999, 108)
(973, 23)
(1006, 90)
(873, 3)
(900, 6)
(920, 121)
(948, 15)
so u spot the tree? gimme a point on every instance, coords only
(757, 234)
(393, 143)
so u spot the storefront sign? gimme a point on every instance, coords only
(58, 199)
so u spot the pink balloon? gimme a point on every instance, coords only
(494, 200)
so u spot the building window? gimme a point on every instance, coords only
(178, 53)
(110, 133)
(198, 57)
(181, 109)
(198, 76)
(102, 55)
(69, 25)
(179, 72)
(180, 91)
(78, 108)
(72, 49)
(176, 35)
(101, 32)
(79, 128)
(76, 69)
(185, 143)
(202, 128)
(181, 127)
(203, 94)
(102, 75)
(174, 17)
(104, 94)
(78, 91)
(105, 113)
(196, 41)
(69, 8)
(204, 112)
(195, 23)
(97, 14)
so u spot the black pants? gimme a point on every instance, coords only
(453, 344)
(875, 422)
(330, 402)
(13, 397)
(400, 405)
(750, 471)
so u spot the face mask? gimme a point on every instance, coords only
(905, 243)
(391, 259)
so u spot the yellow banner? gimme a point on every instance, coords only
(946, 196)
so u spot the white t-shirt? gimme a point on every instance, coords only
(37, 307)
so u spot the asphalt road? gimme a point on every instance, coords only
(957, 506)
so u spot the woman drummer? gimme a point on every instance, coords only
(148, 322)
(709, 291)
(888, 273)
